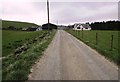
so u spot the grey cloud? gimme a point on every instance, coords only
(39, 6)
(71, 11)
(68, 12)
(14, 8)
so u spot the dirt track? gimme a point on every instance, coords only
(67, 58)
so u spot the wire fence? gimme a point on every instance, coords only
(105, 42)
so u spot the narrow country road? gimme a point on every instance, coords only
(67, 58)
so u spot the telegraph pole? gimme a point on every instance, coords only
(48, 14)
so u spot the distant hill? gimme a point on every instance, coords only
(16, 24)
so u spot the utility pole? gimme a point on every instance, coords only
(48, 14)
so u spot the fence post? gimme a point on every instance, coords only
(75, 32)
(82, 33)
(111, 41)
(96, 38)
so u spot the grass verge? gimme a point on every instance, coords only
(103, 45)
(18, 68)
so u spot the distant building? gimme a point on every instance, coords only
(70, 26)
(60, 27)
(79, 26)
(39, 29)
(24, 29)
(51, 26)
(34, 28)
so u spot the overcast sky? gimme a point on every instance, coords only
(66, 13)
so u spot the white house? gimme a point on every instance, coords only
(39, 29)
(79, 26)
(24, 29)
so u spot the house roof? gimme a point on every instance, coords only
(84, 25)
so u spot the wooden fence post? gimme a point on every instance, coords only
(96, 38)
(82, 33)
(111, 42)
(76, 32)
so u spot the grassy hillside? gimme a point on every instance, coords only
(6, 24)
(103, 42)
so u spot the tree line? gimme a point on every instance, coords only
(108, 25)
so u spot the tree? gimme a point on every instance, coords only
(11, 28)
(109, 25)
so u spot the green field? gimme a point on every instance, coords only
(18, 67)
(0, 55)
(6, 24)
(103, 42)
(13, 39)
(0, 43)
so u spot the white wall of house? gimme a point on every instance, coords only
(39, 29)
(80, 26)
(86, 28)
(24, 29)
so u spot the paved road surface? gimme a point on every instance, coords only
(67, 58)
